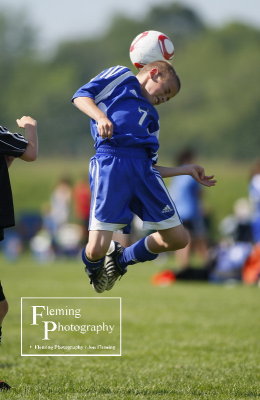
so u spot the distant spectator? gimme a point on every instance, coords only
(60, 202)
(225, 264)
(82, 197)
(254, 197)
(238, 224)
(187, 195)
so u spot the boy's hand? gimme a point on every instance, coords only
(105, 128)
(198, 173)
(30, 126)
(26, 120)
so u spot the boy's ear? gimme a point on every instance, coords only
(153, 72)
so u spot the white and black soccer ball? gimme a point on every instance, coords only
(150, 46)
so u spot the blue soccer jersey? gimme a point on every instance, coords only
(117, 92)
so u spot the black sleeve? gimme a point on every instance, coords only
(12, 144)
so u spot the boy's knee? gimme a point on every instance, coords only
(95, 253)
(180, 242)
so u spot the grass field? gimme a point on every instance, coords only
(183, 342)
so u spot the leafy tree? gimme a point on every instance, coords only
(17, 43)
(216, 110)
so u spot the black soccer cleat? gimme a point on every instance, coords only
(4, 386)
(98, 279)
(112, 267)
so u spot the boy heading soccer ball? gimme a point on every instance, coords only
(124, 176)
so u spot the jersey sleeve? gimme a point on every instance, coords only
(12, 144)
(103, 84)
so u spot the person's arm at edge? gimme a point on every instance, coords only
(9, 160)
(194, 170)
(30, 126)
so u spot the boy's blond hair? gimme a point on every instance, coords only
(164, 68)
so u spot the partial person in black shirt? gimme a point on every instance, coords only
(13, 145)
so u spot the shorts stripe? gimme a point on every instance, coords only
(161, 182)
(94, 172)
(94, 223)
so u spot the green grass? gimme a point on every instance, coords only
(184, 342)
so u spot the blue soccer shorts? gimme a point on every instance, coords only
(124, 182)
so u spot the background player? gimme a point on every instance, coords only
(13, 145)
(187, 194)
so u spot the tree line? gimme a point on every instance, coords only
(216, 112)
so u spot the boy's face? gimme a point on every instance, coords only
(159, 88)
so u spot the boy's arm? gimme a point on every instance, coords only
(88, 106)
(9, 160)
(30, 126)
(196, 171)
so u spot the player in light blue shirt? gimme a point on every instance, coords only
(186, 193)
(124, 176)
(254, 197)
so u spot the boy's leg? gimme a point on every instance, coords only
(158, 242)
(93, 257)
(3, 312)
(168, 239)
(98, 244)
(4, 386)
(3, 308)
(143, 250)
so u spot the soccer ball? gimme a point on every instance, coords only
(150, 46)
